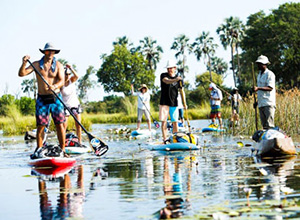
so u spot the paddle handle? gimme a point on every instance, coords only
(57, 96)
(254, 95)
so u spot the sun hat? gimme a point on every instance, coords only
(170, 64)
(262, 59)
(143, 86)
(50, 46)
(212, 86)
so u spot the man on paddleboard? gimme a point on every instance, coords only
(53, 72)
(266, 94)
(215, 104)
(169, 83)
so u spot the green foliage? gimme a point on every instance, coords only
(121, 68)
(85, 83)
(5, 101)
(276, 36)
(28, 86)
(201, 94)
(150, 51)
(26, 105)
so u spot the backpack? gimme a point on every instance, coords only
(184, 138)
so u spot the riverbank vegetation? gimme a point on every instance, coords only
(286, 117)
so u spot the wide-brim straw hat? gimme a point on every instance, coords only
(262, 59)
(170, 64)
(143, 86)
(50, 46)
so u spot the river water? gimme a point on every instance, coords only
(133, 182)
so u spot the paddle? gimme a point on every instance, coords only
(97, 144)
(154, 121)
(254, 95)
(184, 104)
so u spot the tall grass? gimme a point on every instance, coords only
(15, 123)
(286, 114)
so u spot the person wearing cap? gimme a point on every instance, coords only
(235, 98)
(143, 105)
(70, 98)
(170, 83)
(53, 72)
(266, 93)
(216, 97)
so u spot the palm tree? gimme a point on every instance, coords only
(218, 65)
(85, 83)
(231, 34)
(181, 45)
(29, 85)
(204, 47)
(150, 51)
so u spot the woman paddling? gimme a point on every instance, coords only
(70, 98)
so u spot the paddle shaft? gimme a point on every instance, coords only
(184, 104)
(57, 96)
(254, 95)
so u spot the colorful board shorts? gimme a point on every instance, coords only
(164, 112)
(215, 111)
(46, 104)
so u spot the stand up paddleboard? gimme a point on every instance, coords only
(74, 147)
(175, 147)
(53, 172)
(213, 128)
(53, 162)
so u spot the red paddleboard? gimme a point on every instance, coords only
(53, 171)
(53, 162)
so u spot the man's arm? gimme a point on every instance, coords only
(23, 71)
(265, 88)
(60, 78)
(170, 81)
(75, 75)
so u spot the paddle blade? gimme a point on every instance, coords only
(98, 145)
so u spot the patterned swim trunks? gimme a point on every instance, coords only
(46, 104)
(215, 111)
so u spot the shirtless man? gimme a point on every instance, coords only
(53, 72)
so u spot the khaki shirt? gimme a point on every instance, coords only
(266, 98)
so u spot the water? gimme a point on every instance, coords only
(133, 182)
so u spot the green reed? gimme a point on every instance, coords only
(286, 114)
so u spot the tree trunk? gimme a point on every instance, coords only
(238, 65)
(209, 67)
(232, 65)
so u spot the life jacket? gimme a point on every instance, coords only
(71, 140)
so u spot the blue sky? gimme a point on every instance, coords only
(84, 30)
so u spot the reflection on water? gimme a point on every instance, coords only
(70, 198)
(133, 182)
